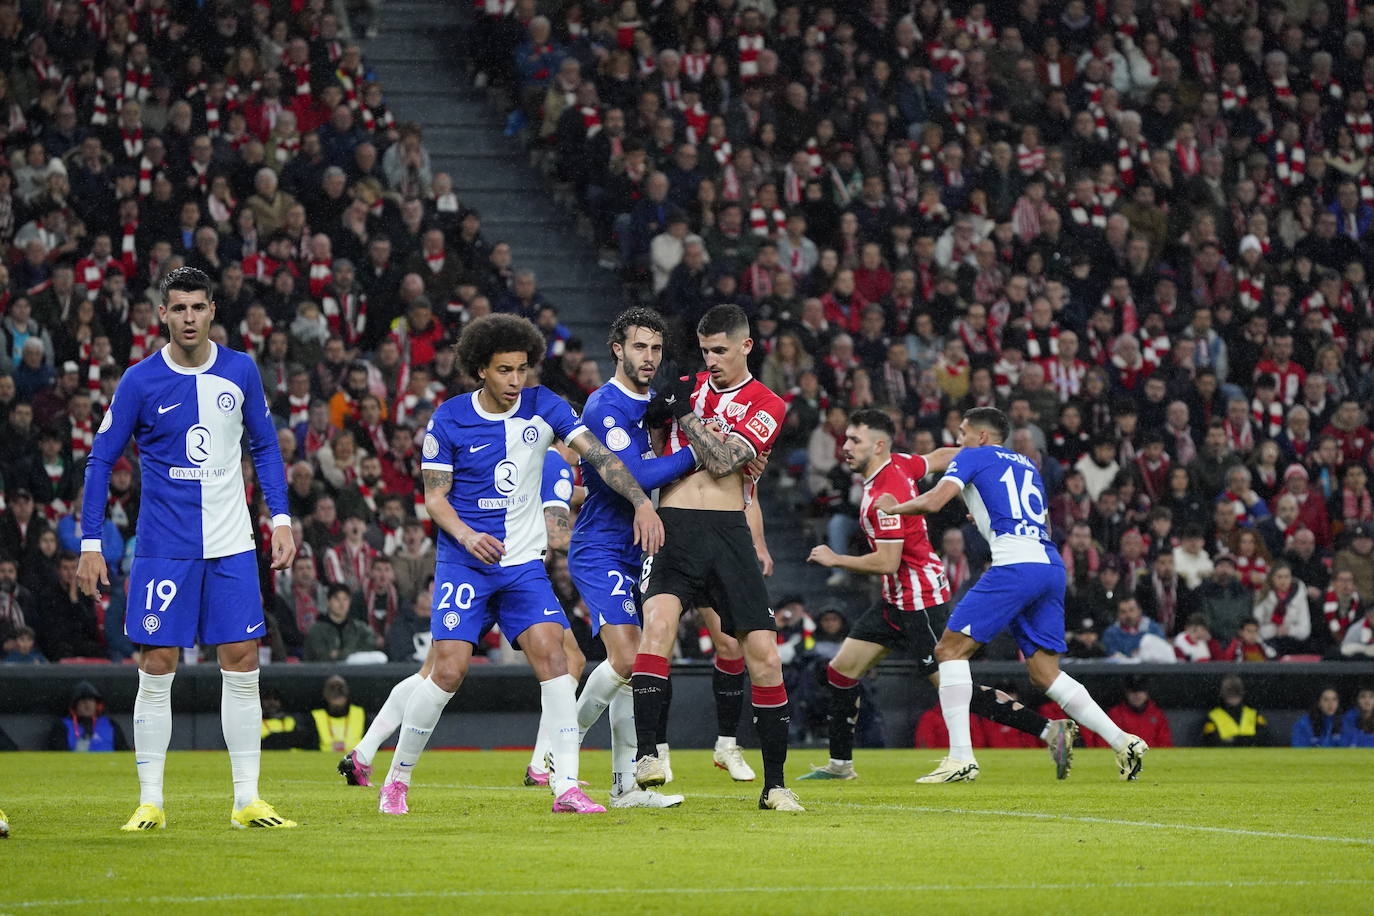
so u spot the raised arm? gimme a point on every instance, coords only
(648, 529)
(927, 503)
(938, 460)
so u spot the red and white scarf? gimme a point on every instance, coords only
(1234, 97)
(766, 222)
(321, 275)
(1290, 164)
(302, 76)
(1128, 159)
(1362, 129)
(1028, 160)
(750, 47)
(133, 141)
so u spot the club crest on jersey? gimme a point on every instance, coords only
(151, 623)
(617, 439)
(431, 447)
(451, 620)
(762, 425)
(531, 436)
(628, 606)
(734, 410)
(226, 401)
(608, 422)
(108, 419)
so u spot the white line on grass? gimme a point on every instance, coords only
(677, 891)
(984, 812)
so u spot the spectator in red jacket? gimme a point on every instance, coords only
(1345, 427)
(1142, 715)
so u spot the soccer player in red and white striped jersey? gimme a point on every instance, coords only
(915, 597)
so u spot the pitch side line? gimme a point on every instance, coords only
(639, 891)
(984, 812)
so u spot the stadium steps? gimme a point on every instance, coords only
(418, 60)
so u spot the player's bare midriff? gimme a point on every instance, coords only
(699, 490)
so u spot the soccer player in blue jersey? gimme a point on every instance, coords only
(195, 571)
(603, 558)
(1023, 590)
(482, 463)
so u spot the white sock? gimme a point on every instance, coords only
(388, 720)
(559, 702)
(240, 715)
(663, 750)
(623, 742)
(541, 744)
(602, 686)
(956, 692)
(1074, 699)
(840, 764)
(152, 733)
(725, 743)
(422, 713)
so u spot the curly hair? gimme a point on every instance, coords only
(637, 317)
(500, 333)
(187, 280)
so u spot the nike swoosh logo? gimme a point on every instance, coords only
(162, 410)
(254, 627)
(477, 448)
(549, 613)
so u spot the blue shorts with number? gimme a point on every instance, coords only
(469, 599)
(607, 585)
(1028, 598)
(182, 602)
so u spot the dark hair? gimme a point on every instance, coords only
(1314, 715)
(723, 319)
(991, 419)
(336, 588)
(875, 420)
(637, 317)
(499, 333)
(186, 280)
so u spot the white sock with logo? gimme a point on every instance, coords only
(388, 719)
(423, 709)
(599, 692)
(956, 692)
(152, 734)
(1075, 700)
(559, 701)
(624, 744)
(240, 715)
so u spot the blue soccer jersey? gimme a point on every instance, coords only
(497, 462)
(188, 425)
(603, 558)
(556, 487)
(1006, 497)
(615, 415)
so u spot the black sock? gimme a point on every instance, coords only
(1021, 718)
(649, 683)
(772, 721)
(661, 735)
(844, 714)
(728, 687)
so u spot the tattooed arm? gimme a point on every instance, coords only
(558, 522)
(648, 528)
(720, 457)
(482, 546)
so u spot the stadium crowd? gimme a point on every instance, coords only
(1141, 228)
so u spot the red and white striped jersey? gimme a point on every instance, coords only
(749, 410)
(920, 580)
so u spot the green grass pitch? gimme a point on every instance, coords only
(1214, 831)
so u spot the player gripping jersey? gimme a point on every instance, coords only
(195, 571)
(1023, 590)
(913, 606)
(482, 461)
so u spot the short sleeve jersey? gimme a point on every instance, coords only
(556, 487)
(1006, 497)
(919, 581)
(497, 462)
(749, 410)
(188, 424)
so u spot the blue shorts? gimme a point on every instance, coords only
(182, 602)
(469, 599)
(1028, 598)
(607, 585)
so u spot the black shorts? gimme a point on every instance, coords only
(916, 632)
(710, 553)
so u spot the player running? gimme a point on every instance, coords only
(195, 571)
(709, 548)
(603, 558)
(915, 596)
(1023, 590)
(482, 463)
